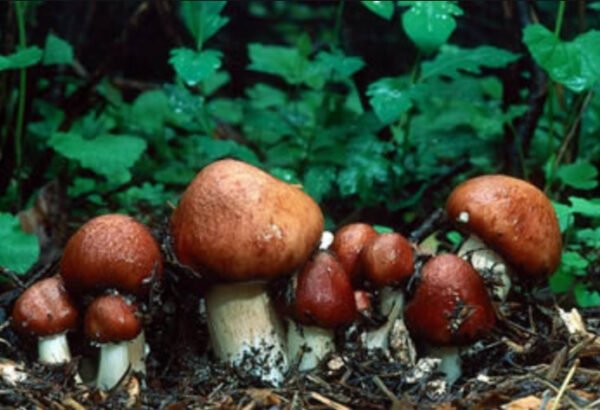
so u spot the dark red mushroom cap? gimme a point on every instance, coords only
(450, 305)
(111, 251)
(44, 309)
(347, 244)
(324, 294)
(111, 319)
(512, 217)
(387, 260)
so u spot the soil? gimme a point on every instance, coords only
(535, 355)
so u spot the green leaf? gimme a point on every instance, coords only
(150, 109)
(574, 263)
(389, 98)
(579, 175)
(21, 59)
(265, 96)
(57, 51)
(203, 19)
(383, 9)
(576, 64)
(429, 24)
(337, 66)
(285, 62)
(561, 281)
(585, 297)
(564, 214)
(452, 60)
(150, 194)
(213, 149)
(589, 236)
(18, 250)
(584, 207)
(594, 6)
(454, 237)
(193, 66)
(107, 155)
(383, 229)
(318, 181)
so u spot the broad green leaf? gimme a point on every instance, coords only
(561, 281)
(193, 66)
(589, 236)
(564, 214)
(150, 109)
(149, 194)
(383, 9)
(21, 59)
(18, 250)
(175, 173)
(57, 51)
(226, 110)
(337, 66)
(285, 174)
(389, 98)
(213, 82)
(452, 60)
(264, 96)
(285, 62)
(586, 297)
(454, 237)
(576, 64)
(212, 149)
(318, 181)
(594, 6)
(585, 207)
(203, 19)
(383, 229)
(107, 155)
(429, 24)
(574, 263)
(579, 175)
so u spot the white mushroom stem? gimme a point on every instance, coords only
(246, 331)
(54, 349)
(308, 345)
(138, 350)
(391, 303)
(451, 363)
(489, 264)
(114, 363)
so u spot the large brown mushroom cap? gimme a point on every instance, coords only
(512, 217)
(44, 309)
(387, 260)
(347, 244)
(240, 223)
(111, 319)
(111, 251)
(450, 305)
(324, 294)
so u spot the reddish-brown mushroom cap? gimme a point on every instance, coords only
(111, 319)
(324, 294)
(347, 244)
(111, 251)
(387, 260)
(450, 305)
(241, 223)
(512, 217)
(44, 309)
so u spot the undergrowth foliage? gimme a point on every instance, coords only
(311, 112)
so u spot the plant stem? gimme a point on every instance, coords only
(338, 23)
(20, 13)
(559, 17)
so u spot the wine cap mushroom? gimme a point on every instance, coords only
(387, 260)
(111, 251)
(512, 217)
(46, 310)
(348, 242)
(450, 305)
(241, 223)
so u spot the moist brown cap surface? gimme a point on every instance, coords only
(514, 218)
(111, 251)
(45, 309)
(240, 223)
(387, 260)
(110, 318)
(347, 244)
(450, 305)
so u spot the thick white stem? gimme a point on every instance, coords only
(138, 350)
(489, 264)
(246, 331)
(308, 345)
(451, 364)
(114, 362)
(54, 349)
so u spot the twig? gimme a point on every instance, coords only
(390, 395)
(433, 222)
(573, 130)
(328, 402)
(564, 385)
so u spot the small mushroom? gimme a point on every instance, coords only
(112, 322)
(516, 222)
(450, 308)
(323, 301)
(242, 228)
(347, 244)
(46, 311)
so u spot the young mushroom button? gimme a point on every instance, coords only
(242, 227)
(45, 310)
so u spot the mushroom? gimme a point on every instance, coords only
(323, 300)
(449, 308)
(387, 261)
(242, 228)
(113, 252)
(111, 321)
(515, 221)
(347, 244)
(45, 310)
